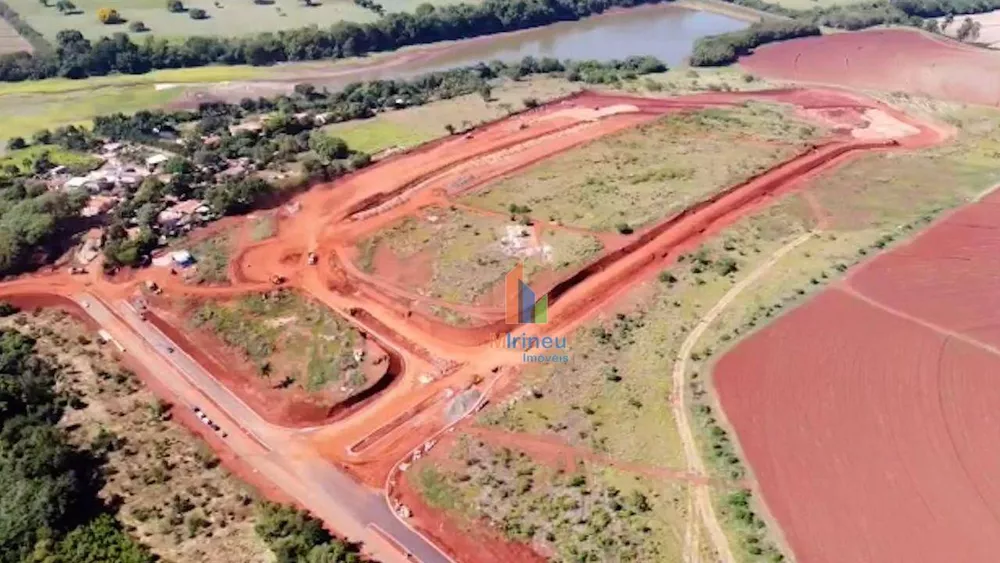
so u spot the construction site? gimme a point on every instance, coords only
(374, 269)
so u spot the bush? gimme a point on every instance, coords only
(137, 27)
(109, 16)
(175, 6)
(16, 143)
(624, 228)
(197, 14)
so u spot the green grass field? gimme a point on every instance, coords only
(232, 19)
(77, 162)
(23, 114)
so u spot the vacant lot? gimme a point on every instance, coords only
(409, 127)
(580, 512)
(634, 178)
(175, 497)
(462, 257)
(291, 340)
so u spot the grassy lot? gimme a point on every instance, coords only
(578, 513)
(290, 338)
(231, 19)
(76, 161)
(411, 126)
(26, 113)
(264, 227)
(454, 240)
(636, 177)
(175, 497)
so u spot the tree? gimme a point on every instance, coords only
(16, 143)
(948, 20)
(108, 16)
(326, 147)
(137, 26)
(968, 31)
(197, 14)
(65, 6)
(486, 92)
(175, 6)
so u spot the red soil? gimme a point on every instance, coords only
(869, 416)
(891, 60)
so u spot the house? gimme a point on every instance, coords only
(156, 160)
(249, 126)
(179, 214)
(75, 183)
(97, 205)
(182, 258)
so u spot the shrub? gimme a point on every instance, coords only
(175, 6)
(530, 102)
(16, 143)
(137, 27)
(109, 16)
(624, 228)
(197, 14)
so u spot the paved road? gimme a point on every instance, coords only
(324, 489)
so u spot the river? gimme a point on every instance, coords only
(665, 31)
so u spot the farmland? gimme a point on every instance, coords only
(224, 18)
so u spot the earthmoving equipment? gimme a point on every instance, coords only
(151, 286)
(76, 270)
(277, 280)
(313, 259)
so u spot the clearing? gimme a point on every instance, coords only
(294, 341)
(432, 253)
(631, 179)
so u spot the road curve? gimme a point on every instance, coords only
(315, 483)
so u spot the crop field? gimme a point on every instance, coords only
(291, 340)
(439, 246)
(629, 180)
(11, 41)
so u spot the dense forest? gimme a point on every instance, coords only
(723, 49)
(77, 57)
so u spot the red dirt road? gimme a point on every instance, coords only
(890, 60)
(871, 416)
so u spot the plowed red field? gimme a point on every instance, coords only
(871, 416)
(891, 60)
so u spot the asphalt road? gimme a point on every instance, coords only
(317, 484)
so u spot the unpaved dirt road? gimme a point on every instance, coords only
(703, 500)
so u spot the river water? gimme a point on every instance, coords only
(665, 31)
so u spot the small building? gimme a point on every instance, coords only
(156, 160)
(75, 183)
(182, 258)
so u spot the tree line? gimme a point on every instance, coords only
(77, 57)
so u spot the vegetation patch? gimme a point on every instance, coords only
(175, 497)
(23, 160)
(636, 177)
(578, 513)
(212, 257)
(455, 240)
(291, 339)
